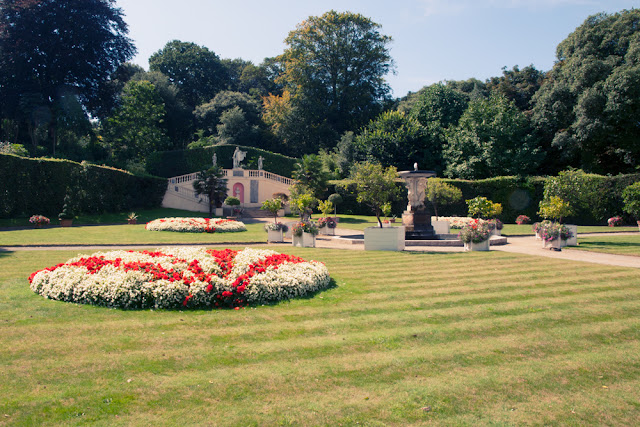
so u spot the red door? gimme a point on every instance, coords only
(238, 191)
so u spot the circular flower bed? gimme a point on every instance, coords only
(181, 277)
(196, 225)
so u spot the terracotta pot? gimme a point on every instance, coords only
(66, 222)
(132, 221)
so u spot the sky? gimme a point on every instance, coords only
(433, 40)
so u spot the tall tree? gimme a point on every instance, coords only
(135, 130)
(195, 70)
(394, 139)
(211, 183)
(518, 85)
(588, 107)
(334, 67)
(51, 49)
(491, 139)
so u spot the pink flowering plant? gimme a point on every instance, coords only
(181, 278)
(615, 221)
(326, 222)
(304, 227)
(523, 219)
(553, 230)
(39, 220)
(196, 225)
(476, 231)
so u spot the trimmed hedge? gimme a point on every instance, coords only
(518, 196)
(180, 162)
(38, 186)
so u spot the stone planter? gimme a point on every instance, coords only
(307, 240)
(496, 232)
(573, 241)
(482, 246)
(218, 212)
(288, 233)
(66, 222)
(441, 227)
(384, 239)
(275, 236)
(326, 231)
(553, 244)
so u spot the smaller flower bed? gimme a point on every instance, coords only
(456, 222)
(196, 225)
(304, 227)
(39, 220)
(615, 221)
(327, 222)
(476, 231)
(523, 219)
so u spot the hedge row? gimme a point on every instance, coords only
(518, 196)
(38, 186)
(181, 162)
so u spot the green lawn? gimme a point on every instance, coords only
(123, 234)
(404, 339)
(526, 229)
(619, 245)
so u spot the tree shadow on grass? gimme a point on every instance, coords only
(354, 221)
(5, 252)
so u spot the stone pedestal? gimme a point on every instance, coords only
(417, 224)
(416, 219)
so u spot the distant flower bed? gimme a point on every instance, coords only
(181, 278)
(196, 225)
(456, 221)
(39, 220)
(523, 219)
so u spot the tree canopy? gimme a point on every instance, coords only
(587, 109)
(334, 67)
(54, 52)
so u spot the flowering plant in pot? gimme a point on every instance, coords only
(523, 219)
(39, 220)
(304, 234)
(132, 218)
(475, 235)
(304, 227)
(66, 216)
(327, 222)
(615, 221)
(278, 226)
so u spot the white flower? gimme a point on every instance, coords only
(196, 225)
(173, 277)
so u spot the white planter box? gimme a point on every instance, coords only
(326, 231)
(441, 227)
(275, 236)
(307, 240)
(496, 232)
(218, 212)
(557, 243)
(482, 246)
(384, 239)
(574, 240)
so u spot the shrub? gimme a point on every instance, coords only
(631, 198)
(555, 208)
(615, 221)
(480, 207)
(523, 219)
(232, 201)
(40, 185)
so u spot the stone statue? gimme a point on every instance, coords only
(260, 160)
(415, 166)
(214, 160)
(238, 157)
